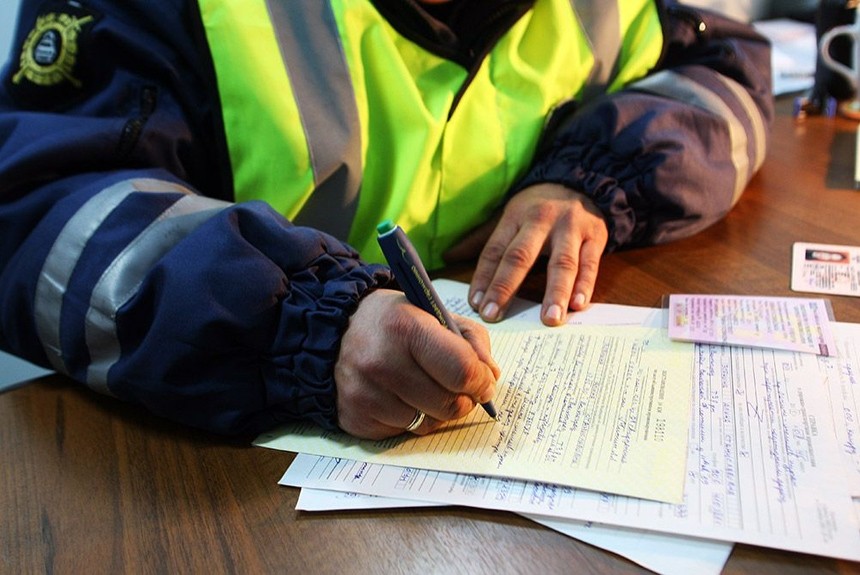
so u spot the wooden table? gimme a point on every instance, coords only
(88, 485)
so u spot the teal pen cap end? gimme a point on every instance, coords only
(384, 227)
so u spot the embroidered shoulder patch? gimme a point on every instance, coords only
(50, 51)
(49, 67)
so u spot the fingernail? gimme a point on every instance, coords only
(553, 313)
(579, 300)
(476, 299)
(490, 312)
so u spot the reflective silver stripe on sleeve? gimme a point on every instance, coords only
(678, 87)
(64, 256)
(601, 24)
(122, 279)
(316, 65)
(759, 131)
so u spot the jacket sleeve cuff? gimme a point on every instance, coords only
(590, 165)
(307, 343)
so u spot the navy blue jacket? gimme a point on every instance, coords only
(125, 264)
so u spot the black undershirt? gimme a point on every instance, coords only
(461, 30)
(442, 11)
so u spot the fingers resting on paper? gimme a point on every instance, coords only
(547, 219)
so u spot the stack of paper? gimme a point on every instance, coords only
(761, 449)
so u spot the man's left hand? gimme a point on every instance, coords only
(546, 219)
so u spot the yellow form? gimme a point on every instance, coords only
(596, 407)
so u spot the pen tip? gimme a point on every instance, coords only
(491, 410)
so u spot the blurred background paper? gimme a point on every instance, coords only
(15, 371)
(794, 53)
(8, 17)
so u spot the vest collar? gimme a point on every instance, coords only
(471, 30)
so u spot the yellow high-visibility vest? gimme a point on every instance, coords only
(340, 122)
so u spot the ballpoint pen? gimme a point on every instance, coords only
(412, 277)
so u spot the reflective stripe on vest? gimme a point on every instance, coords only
(340, 122)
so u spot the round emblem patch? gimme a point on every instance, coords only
(51, 49)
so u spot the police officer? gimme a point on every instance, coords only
(189, 190)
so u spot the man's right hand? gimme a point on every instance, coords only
(396, 358)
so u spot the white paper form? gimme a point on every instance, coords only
(844, 387)
(764, 467)
(843, 370)
(593, 407)
(327, 500)
(661, 553)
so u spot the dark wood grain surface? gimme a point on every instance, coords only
(89, 485)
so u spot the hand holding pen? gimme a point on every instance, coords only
(394, 361)
(415, 282)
